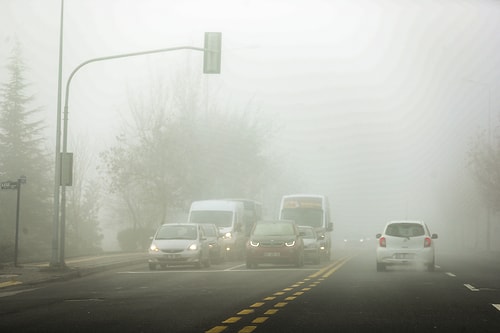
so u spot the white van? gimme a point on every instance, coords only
(228, 216)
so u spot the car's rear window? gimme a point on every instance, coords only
(405, 230)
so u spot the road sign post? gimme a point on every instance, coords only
(11, 185)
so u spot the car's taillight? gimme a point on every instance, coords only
(427, 242)
(381, 241)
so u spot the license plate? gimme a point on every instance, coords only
(171, 256)
(404, 255)
(271, 254)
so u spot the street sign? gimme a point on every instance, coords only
(212, 53)
(9, 185)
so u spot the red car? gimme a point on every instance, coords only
(275, 242)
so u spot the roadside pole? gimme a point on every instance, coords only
(11, 185)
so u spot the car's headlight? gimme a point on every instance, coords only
(154, 248)
(253, 243)
(193, 247)
(227, 235)
(290, 243)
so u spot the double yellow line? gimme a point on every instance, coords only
(330, 269)
(272, 304)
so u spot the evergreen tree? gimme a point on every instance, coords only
(23, 153)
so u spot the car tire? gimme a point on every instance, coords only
(198, 264)
(317, 260)
(380, 267)
(207, 262)
(431, 267)
(152, 267)
(300, 260)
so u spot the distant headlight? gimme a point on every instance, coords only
(227, 235)
(253, 243)
(154, 248)
(193, 247)
(290, 243)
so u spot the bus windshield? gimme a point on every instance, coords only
(304, 216)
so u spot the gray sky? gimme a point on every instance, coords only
(371, 97)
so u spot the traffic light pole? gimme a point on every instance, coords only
(212, 53)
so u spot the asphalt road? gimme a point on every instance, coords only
(345, 294)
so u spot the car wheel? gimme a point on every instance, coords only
(222, 256)
(317, 259)
(207, 262)
(431, 266)
(152, 267)
(380, 267)
(251, 264)
(199, 262)
(300, 261)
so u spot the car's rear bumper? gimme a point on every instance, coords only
(405, 256)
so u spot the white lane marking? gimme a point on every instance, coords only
(235, 267)
(266, 269)
(451, 274)
(471, 287)
(496, 306)
(12, 293)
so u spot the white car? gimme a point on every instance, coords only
(312, 244)
(405, 242)
(179, 244)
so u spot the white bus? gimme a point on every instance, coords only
(310, 210)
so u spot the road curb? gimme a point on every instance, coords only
(69, 273)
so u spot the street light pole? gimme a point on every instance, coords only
(212, 52)
(488, 213)
(54, 262)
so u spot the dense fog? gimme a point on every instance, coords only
(373, 103)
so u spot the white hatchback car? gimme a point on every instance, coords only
(405, 242)
(179, 244)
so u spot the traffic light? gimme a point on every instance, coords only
(212, 53)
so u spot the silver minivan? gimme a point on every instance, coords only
(179, 244)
